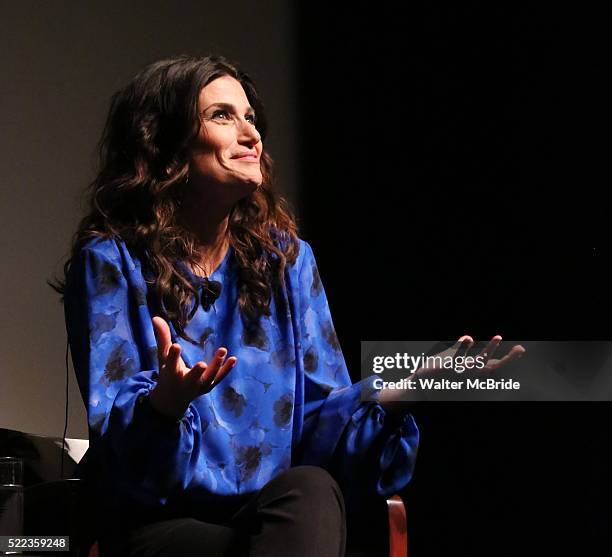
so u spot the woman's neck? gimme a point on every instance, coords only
(209, 223)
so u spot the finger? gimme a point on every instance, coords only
(462, 341)
(174, 358)
(227, 367)
(211, 379)
(163, 338)
(218, 360)
(515, 353)
(490, 348)
(451, 352)
(213, 369)
(207, 379)
(464, 344)
(196, 373)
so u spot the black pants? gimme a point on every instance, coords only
(300, 512)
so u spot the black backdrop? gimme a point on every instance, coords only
(454, 173)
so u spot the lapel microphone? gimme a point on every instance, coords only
(211, 290)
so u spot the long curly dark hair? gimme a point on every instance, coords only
(143, 167)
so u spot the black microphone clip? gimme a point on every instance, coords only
(211, 290)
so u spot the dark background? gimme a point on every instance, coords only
(455, 166)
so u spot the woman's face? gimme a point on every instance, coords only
(227, 150)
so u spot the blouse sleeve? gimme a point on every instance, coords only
(345, 430)
(144, 456)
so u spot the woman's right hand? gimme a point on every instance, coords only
(178, 385)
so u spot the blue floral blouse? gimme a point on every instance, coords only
(288, 401)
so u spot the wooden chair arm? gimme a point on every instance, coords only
(398, 530)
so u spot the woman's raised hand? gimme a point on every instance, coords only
(178, 385)
(461, 348)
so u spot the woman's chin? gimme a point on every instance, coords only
(251, 185)
(238, 187)
(245, 188)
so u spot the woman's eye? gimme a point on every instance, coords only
(225, 115)
(220, 113)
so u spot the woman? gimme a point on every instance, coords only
(221, 413)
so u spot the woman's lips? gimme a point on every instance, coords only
(247, 158)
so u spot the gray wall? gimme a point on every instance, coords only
(61, 61)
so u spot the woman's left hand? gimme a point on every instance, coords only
(431, 368)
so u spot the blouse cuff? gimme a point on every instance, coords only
(398, 457)
(146, 411)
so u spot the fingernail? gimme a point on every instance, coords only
(222, 352)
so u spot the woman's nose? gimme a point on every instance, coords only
(248, 132)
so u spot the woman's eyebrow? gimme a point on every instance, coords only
(231, 107)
